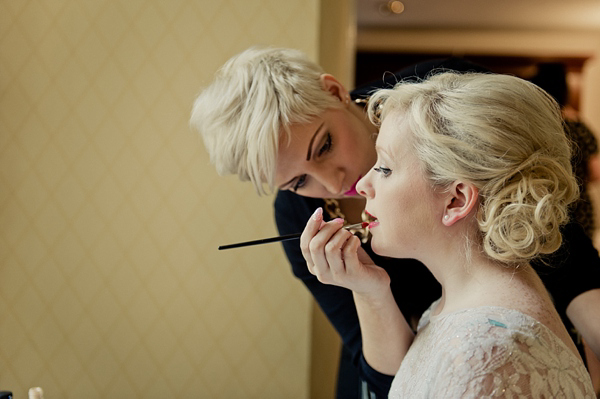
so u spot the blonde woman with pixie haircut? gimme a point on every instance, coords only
(275, 118)
(473, 178)
(253, 98)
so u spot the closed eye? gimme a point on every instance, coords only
(327, 145)
(325, 148)
(300, 182)
(384, 171)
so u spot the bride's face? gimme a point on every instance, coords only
(400, 195)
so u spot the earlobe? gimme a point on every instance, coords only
(461, 200)
(330, 84)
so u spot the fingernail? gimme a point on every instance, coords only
(338, 220)
(318, 213)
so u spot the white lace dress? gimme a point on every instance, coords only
(489, 352)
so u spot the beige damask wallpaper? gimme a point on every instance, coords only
(110, 213)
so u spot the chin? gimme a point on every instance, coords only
(387, 249)
(379, 249)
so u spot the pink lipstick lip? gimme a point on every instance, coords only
(374, 224)
(368, 213)
(352, 192)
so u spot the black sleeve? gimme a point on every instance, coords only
(291, 214)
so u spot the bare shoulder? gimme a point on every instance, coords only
(527, 294)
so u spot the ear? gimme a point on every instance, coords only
(330, 84)
(461, 199)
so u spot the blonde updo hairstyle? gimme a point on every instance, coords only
(503, 134)
(253, 99)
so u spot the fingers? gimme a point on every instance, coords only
(353, 248)
(312, 228)
(313, 240)
(321, 243)
(336, 252)
(323, 247)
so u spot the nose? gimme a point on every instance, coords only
(364, 187)
(332, 181)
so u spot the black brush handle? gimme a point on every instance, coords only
(262, 241)
(280, 238)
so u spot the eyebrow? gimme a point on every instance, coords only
(311, 141)
(384, 151)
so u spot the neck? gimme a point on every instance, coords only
(482, 282)
(359, 111)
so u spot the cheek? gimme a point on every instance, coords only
(403, 213)
(357, 156)
(370, 155)
(356, 143)
(349, 149)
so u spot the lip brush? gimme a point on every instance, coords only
(281, 238)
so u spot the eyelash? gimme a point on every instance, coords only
(384, 171)
(327, 145)
(299, 183)
(325, 148)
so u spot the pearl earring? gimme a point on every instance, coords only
(446, 217)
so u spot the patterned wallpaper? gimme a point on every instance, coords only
(110, 213)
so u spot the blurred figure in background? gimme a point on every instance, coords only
(552, 77)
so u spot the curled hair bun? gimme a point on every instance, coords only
(505, 136)
(521, 215)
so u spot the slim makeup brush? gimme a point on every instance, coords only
(282, 238)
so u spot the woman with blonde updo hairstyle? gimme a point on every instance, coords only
(473, 179)
(506, 136)
(276, 119)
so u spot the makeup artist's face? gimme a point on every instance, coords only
(399, 195)
(326, 157)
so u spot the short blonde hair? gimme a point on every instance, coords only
(506, 136)
(255, 97)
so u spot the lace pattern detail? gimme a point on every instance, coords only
(489, 352)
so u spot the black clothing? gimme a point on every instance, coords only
(585, 146)
(413, 286)
(417, 72)
(291, 214)
(573, 270)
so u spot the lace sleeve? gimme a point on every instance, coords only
(525, 370)
(496, 353)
